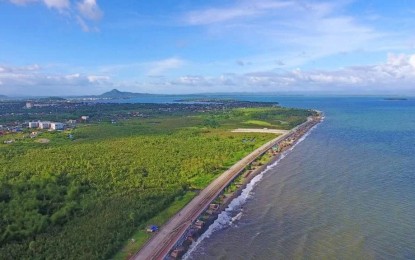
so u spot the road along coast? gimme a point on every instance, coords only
(177, 234)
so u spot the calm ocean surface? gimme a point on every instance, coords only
(347, 191)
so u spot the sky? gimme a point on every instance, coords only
(82, 47)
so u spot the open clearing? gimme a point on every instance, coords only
(43, 141)
(259, 130)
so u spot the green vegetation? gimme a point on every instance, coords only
(83, 198)
(258, 123)
(272, 117)
(263, 159)
(141, 236)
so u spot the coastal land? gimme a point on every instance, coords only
(187, 224)
(86, 190)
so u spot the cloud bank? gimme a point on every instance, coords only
(395, 76)
(33, 80)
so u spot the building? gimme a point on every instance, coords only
(33, 124)
(29, 104)
(57, 126)
(44, 125)
(84, 118)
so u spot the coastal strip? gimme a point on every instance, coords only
(175, 231)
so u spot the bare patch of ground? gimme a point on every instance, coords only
(43, 140)
(259, 130)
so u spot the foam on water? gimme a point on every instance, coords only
(225, 217)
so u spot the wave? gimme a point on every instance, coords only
(224, 219)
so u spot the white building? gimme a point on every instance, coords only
(57, 126)
(84, 118)
(33, 124)
(44, 125)
(29, 104)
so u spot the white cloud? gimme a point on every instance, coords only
(33, 80)
(412, 61)
(397, 60)
(98, 79)
(89, 10)
(243, 9)
(57, 4)
(22, 2)
(196, 81)
(83, 24)
(83, 12)
(397, 74)
(159, 67)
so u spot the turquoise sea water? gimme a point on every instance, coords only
(345, 192)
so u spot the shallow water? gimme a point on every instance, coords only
(346, 192)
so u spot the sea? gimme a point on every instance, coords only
(345, 191)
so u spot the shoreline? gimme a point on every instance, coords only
(176, 236)
(226, 203)
(238, 208)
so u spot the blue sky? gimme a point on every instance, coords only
(66, 47)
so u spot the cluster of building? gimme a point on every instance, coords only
(47, 125)
(9, 129)
(17, 127)
(56, 125)
(32, 104)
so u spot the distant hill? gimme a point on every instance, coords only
(3, 97)
(115, 93)
(395, 99)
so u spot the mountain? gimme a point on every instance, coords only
(115, 93)
(3, 97)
